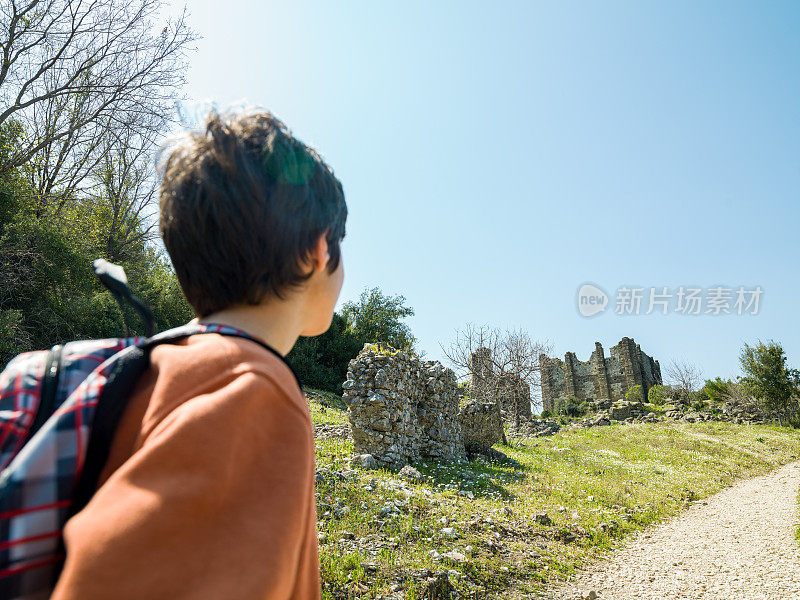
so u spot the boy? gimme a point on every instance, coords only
(208, 492)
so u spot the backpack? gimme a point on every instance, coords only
(59, 410)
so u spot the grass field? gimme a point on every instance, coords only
(379, 534)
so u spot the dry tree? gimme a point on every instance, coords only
(76, 73)
(498, 364)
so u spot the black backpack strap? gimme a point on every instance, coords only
(128, 368)
(47, 397)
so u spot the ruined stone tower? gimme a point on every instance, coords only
(480, 366)
(600, 376)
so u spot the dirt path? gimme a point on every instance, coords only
(741, 545)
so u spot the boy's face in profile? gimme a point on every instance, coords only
(323, 292)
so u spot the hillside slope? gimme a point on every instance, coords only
(507, 530)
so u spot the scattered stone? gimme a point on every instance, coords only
(692, 417)
(365, 461)
(327, 431)
(623, 409)
(369, 567)
(411, 474)
(533, 427)
(448, 532)
(421, 574)
(438, 588)
(387, 510)
(321, 475)
(455, 556)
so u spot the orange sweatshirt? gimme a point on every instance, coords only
(208, 493)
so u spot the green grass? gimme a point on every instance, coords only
(597, 485)
(326, 407)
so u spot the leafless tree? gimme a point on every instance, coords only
(61, 166)
(684, 375)
(124, 189)
(493, 358)
(73, 70)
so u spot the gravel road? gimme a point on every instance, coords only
(739, 543)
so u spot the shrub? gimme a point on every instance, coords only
(634, 394)
(659, 394)
(717, 390)
(569, 407)
(682, 396)
(377, 317)
(13, 336)
(321, 361)
(698, 400)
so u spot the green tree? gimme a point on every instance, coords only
(378, 318)
(48, 292)
(769, 379)
(321, 361)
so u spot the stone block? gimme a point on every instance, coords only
(481, 426)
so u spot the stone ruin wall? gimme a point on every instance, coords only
(600, 376)
(402, 409)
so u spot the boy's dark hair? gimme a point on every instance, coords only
(242, 204)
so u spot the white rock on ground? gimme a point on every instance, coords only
(741, 544)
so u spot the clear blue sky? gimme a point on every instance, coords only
(496, 156)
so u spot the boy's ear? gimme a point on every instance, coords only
(320, 255)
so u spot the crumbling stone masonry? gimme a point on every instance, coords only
(599, 377)
(402, 409)
(481, 425)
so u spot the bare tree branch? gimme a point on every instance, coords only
(125, 189)
(684, 375)
(502, 365)
(73, 70)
